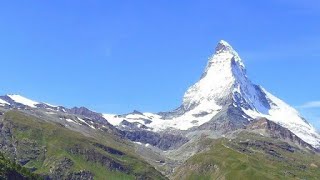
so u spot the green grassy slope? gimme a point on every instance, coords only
(251, 156)
(51, 149)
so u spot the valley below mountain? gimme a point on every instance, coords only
(226, 128)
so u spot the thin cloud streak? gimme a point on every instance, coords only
(312, 104)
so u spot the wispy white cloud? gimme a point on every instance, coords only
(308, 105)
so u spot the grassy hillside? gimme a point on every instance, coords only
(52, 150)
(251, 156)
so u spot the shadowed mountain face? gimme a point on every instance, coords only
(225, 127)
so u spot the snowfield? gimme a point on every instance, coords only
(22, 100)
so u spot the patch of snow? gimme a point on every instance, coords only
(137, 143)
(81, 120)
(249, 119)
(69, 120)
(61, 109)
(2, 102)
(112, 119)
(50, 105)
(22, 100)
(72, 121)
(91, 126)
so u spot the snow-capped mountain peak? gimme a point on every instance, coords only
(224, 85)
(224, 71)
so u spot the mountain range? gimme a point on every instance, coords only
(226, 127)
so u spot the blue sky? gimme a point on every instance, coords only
(117, 56)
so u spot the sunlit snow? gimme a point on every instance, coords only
(22, 100)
